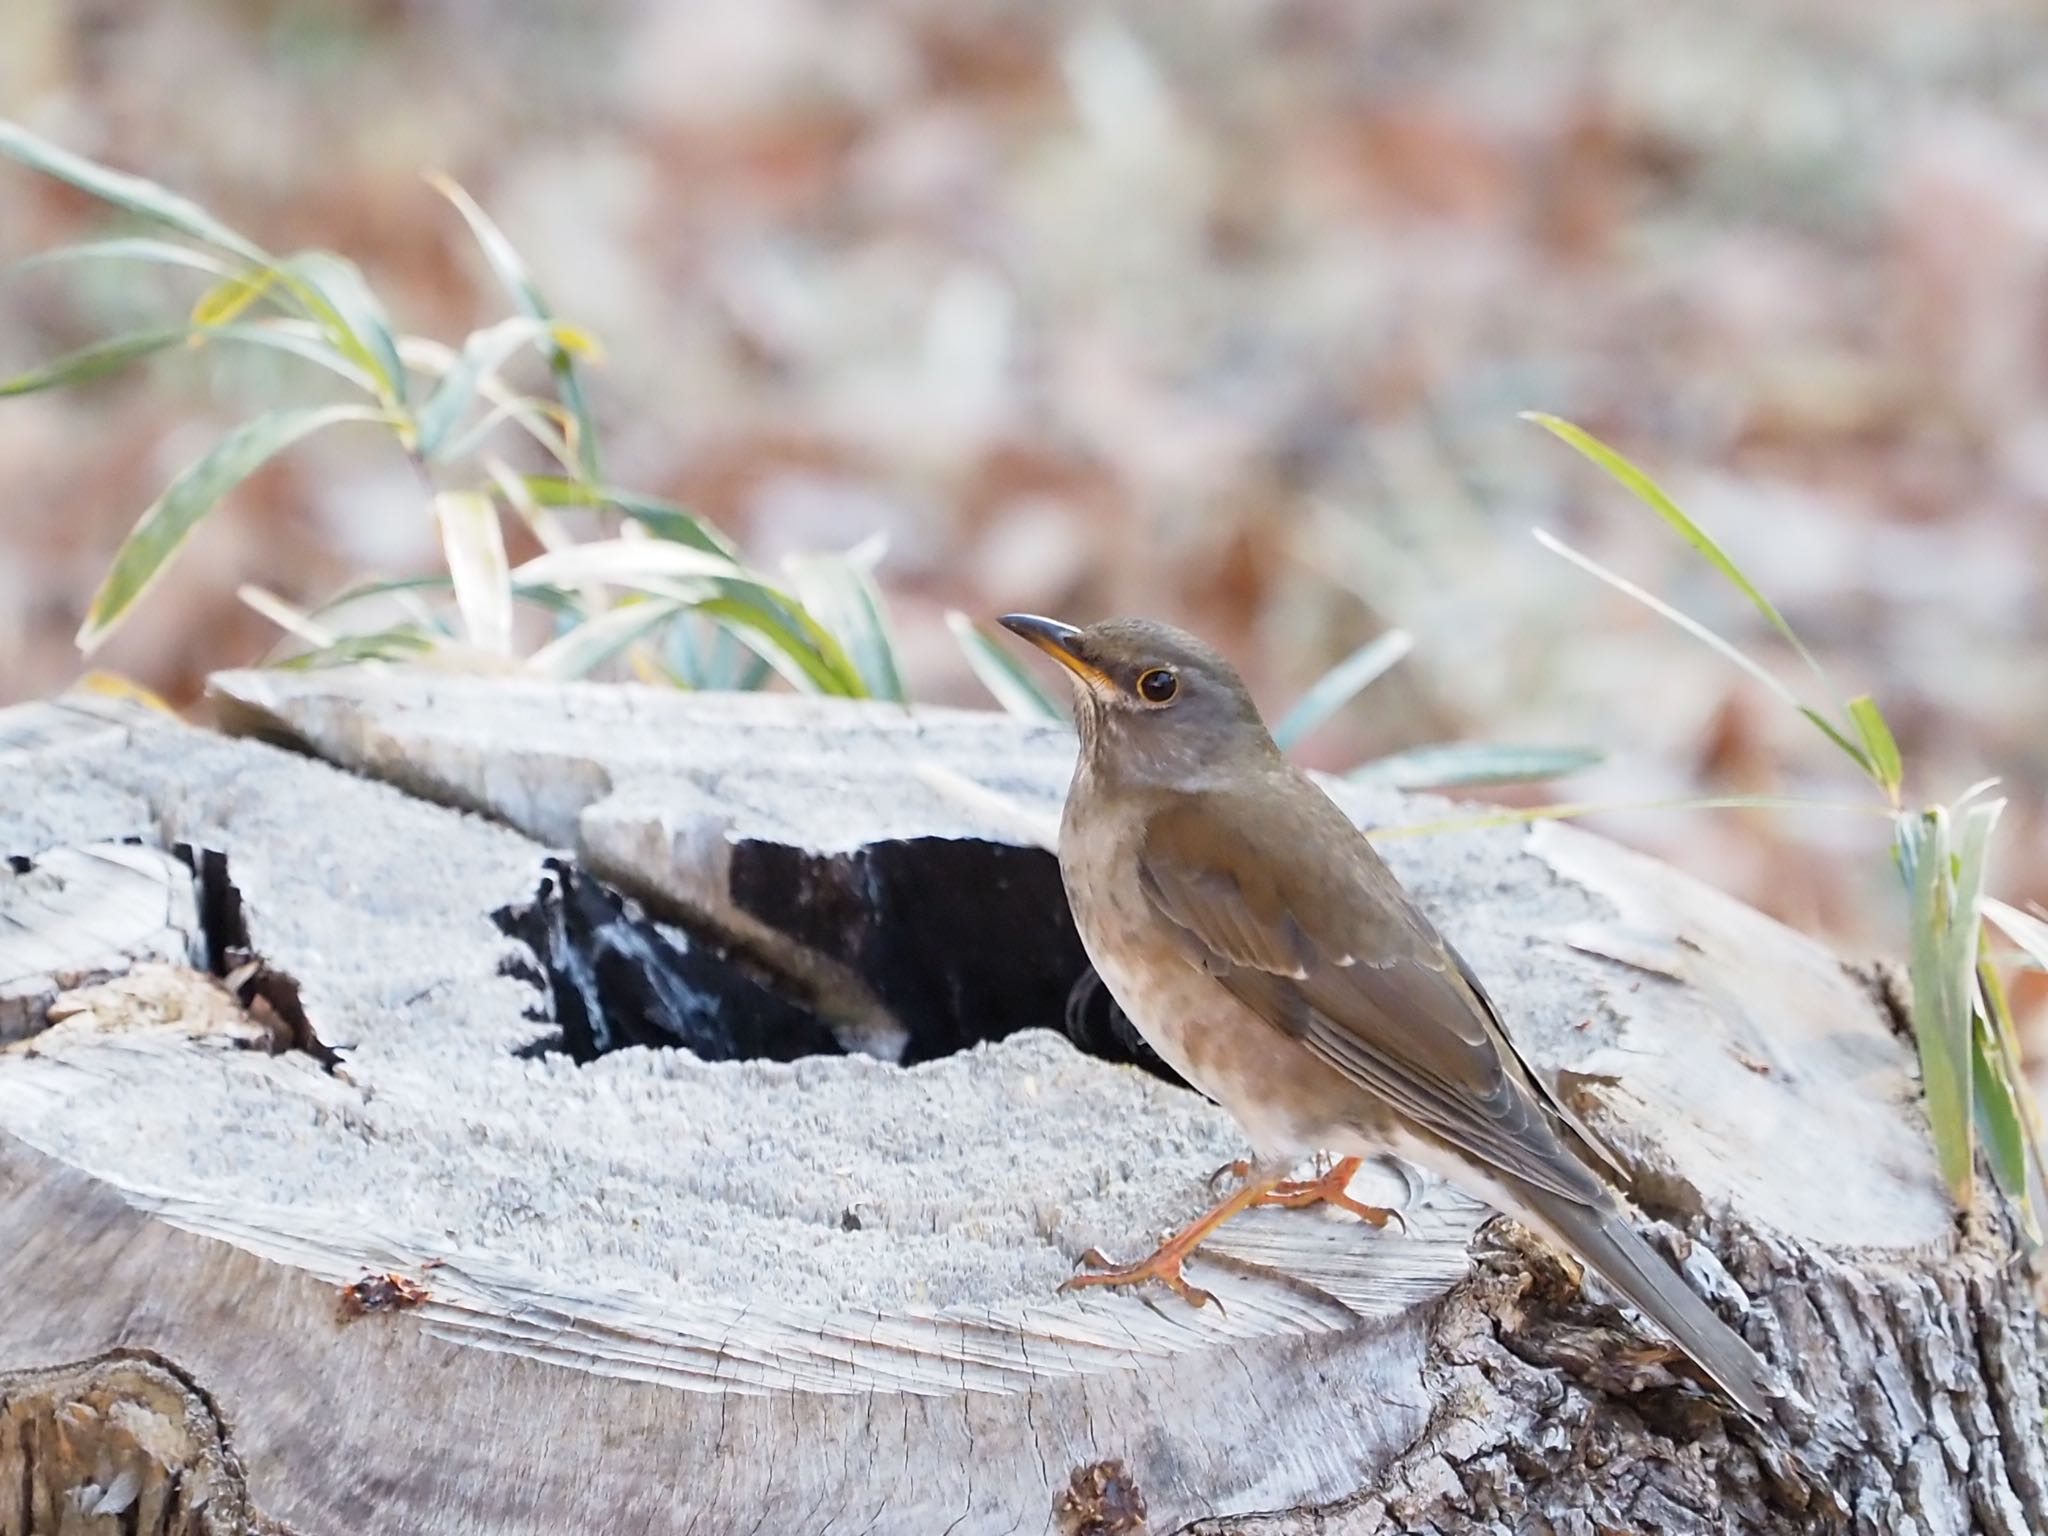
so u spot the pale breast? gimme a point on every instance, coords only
(1288, 1103)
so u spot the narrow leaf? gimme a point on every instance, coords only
(663, 519)
(163, 253)
(93, 362)
(1012, 687)
(510, 269)
(171, 519)
(1466, 765)
(624, 562)
(400, 642)
(1338, 686)
(229, 298)
(1513, 816)
(482, 354)
(2011, 1121)
(131, 193)
(334, 291)
(2023, 928)
(842, 596)
(475, 548)
(785, 635)
(290, 618)
(1941, 1028)
(595, 641)
(1648, 492)
(1878, 743)
(1703, 634)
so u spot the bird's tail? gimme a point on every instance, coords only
(1602, 1236)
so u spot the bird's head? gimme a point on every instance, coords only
(1152, 703)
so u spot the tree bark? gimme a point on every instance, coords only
(343, 1182)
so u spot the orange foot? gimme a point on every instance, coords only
(1330, 1187)
(1165, 1264)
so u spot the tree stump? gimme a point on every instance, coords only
(493, 1106)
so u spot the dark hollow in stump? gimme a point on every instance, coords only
(313, 1209)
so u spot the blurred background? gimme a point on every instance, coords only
(1213, 310)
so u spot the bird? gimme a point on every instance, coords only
(1264, 949)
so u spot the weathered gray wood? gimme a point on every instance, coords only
(646, 1310)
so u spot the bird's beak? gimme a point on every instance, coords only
(1057, 640)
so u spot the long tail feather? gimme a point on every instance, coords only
(1601, 1235)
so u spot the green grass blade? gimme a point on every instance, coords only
(2011, 1121)
(400, 642)
(171, 519)
(1878, 743)
(841, 595)
(1514, 816)
(334, 291)
(783, 634)
(474, 545)
(93, 362)
(2023, 928)
(1941, 1015)
(1652, 495)
(589, 645)
(1340, 685)
(482, 354)
(162, 253)
(1000, 672)
(1466, 765)
(510, 268)
(1703, 634)
(227, 300)
(295, 340)
(664, 519)
(130, 193)
(633, 563)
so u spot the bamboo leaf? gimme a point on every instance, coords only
(510, 269)
(1878, 743)
(335, 293)
(171, 519)
(1340, 685)
(2007, 1113)
(482, 354)
(1706, 636)
(840, 593)
(1941, 1019)
(1465, 765)
(163, 253)
(475, 548)
(400, 642)
(785, 635)
(1011, 685)
(93, 362)
(663, 519)
(1652, 495)
(589, 645)
(626, 563)
(2023, 928)
(1514, 816)
(295, 339)
(131, 193)
(228, 299)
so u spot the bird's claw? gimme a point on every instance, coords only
(1097, 1268)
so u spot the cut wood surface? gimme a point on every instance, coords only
(299, 1126)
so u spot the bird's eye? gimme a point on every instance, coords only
(1158, 686)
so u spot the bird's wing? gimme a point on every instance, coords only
(1295, 913)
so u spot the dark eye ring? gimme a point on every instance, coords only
(1158, 686)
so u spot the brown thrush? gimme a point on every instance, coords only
(1264, 950)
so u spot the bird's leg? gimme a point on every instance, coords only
(1330, 1186)
(1165, 1263)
